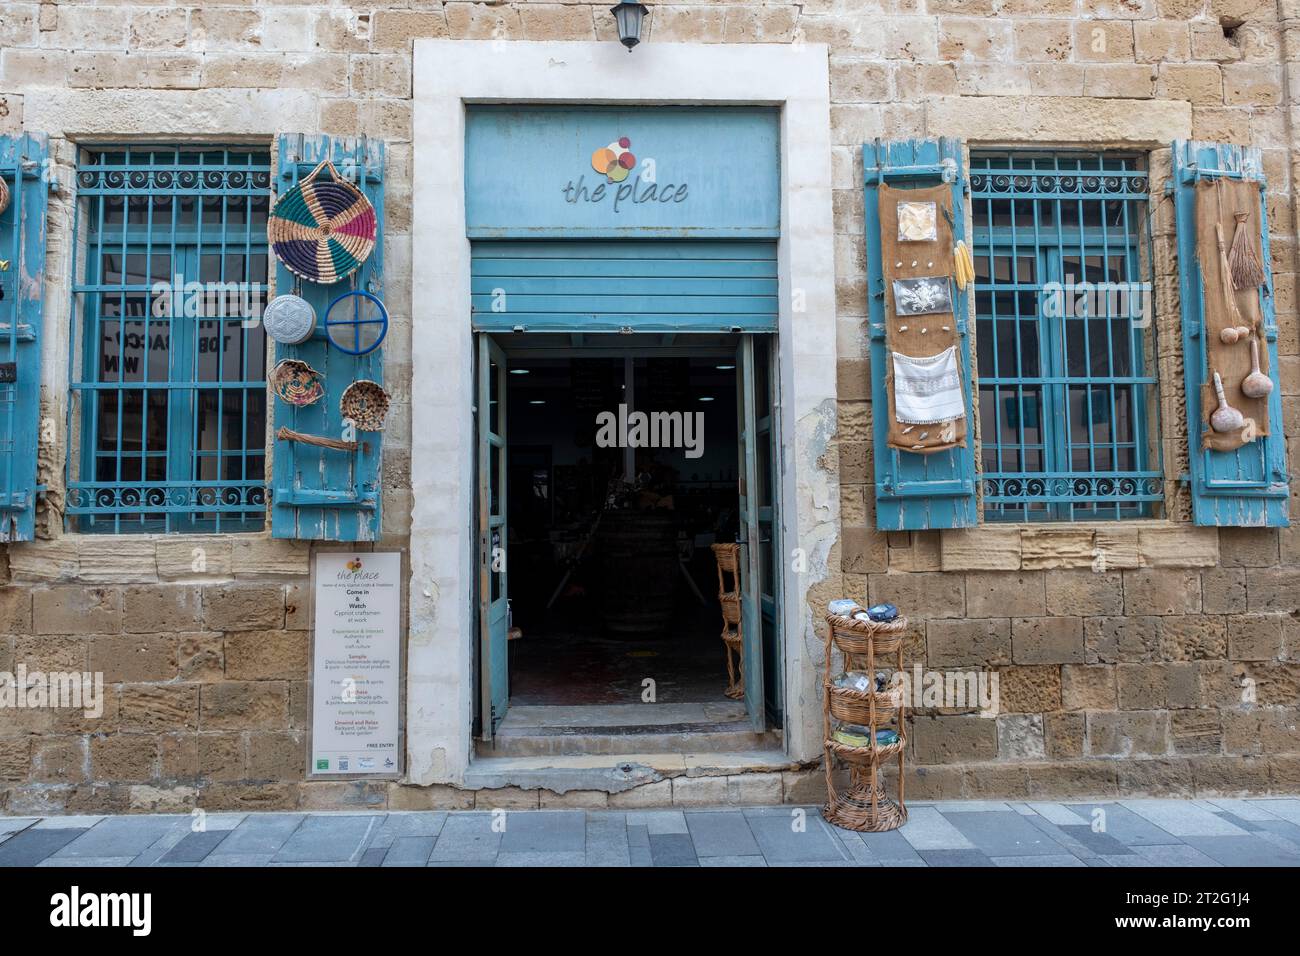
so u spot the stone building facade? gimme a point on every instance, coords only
(1124, 680)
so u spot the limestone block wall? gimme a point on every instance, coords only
(1127, 680)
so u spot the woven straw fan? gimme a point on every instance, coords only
(322, 229)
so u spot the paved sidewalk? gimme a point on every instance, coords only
(1256, 832)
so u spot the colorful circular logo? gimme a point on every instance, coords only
(615, 161)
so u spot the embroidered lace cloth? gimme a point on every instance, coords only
(927, 390)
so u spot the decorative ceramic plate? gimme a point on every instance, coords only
(289, 319)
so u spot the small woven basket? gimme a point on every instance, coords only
(366, 403)
(296, 383)
(857, 637)
(866, 756)
(322, 229)
(854, 707)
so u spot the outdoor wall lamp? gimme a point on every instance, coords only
(629, 15)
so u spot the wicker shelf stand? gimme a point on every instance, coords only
(864, 805)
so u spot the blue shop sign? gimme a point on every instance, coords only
(644, 172)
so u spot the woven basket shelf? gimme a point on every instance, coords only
(867, 807)
(864, 805)
(864, 756)
(861, 637)
(855, 707)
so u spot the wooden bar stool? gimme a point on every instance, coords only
(733, 629)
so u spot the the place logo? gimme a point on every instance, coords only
(616, 163)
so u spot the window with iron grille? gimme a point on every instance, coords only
(168, 356)
(1066, 359)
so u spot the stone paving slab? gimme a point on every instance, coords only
(329, 839)
(1004, 833)
(1183, 818)
(194, 847)
(721, 833)
(406, 851)
(31, 846)
(12, 825)
(1286, 809)
(467, 838)
(607, 840)
(1046, 859)
(1123, 824)
(545, 832)
(928, 829)
(1128, 833)
(261, 834)
(116, 837)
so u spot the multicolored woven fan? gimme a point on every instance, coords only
(322, 229)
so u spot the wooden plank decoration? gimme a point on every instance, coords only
(329, 490)
(917, 491)
(1232, 317)
(1246, 486)
(23, 166)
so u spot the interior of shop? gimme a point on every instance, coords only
(612, 581)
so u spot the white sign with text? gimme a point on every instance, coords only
(356, 665)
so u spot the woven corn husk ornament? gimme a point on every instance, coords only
(1243, 258)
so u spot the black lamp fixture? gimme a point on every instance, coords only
(629, 15)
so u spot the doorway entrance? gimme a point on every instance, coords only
(608, 467)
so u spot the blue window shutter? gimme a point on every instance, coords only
(22, 245)
(1247, 487)
(322, 494)
(916, 491)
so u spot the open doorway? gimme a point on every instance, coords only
(621, 468)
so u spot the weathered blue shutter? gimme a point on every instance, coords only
(658, 285)
(22, 247)
(916, 491)
(1247, 487)
(323, 493)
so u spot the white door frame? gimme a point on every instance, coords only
(449, 74)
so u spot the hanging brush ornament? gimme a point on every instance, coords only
(1243, 258)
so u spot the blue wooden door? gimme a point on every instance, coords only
(1250, 486)
(324, 494)
(22, 281)
(751, 536)
(494, 623)
(916, 492)
(767, 453)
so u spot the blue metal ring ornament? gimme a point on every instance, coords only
(355, 322)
